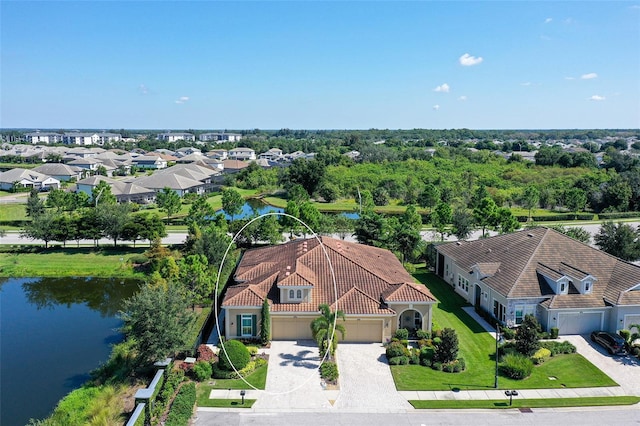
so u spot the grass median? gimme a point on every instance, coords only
(525, 403)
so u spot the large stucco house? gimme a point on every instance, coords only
(371, 287)
(563, 282)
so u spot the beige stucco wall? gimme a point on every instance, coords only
(307, 295)
(230, 320)
(402, 308)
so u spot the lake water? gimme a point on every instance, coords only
(53, 332)
(255, 206)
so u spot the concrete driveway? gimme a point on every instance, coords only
(366, 384)
(625, 370)
(293, 379)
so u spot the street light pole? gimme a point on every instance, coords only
(495, 385)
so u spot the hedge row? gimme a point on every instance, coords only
(182, 407)
(557, 217)
(618, 215)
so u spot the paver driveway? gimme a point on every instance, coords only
(293, 379)
(366, 384)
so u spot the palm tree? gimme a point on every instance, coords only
(324, 327)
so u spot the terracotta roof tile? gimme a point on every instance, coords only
(407, 292)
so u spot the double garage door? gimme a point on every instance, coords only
(579, 323)
(300, 328)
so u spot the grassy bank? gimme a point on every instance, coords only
(68, 262)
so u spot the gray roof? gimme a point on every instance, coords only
(58, 169)
(18, 174)
(170, 180)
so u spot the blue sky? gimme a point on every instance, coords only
(319, 65)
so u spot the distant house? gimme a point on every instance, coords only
(218, 154)
(180, 184)
(220, 137)
(561, 281)
(153, 162)
(234, 166)
(368, 284)
(242, 154)
(79, 138)
(105, 137)
(174, 137)
(274, 154)
(86, 163)
(125, 192)
(62, 172)
(46, 138)
(23, 178)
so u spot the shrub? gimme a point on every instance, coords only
(423, 334)
(402, 334)
(253, 350)
(202, 371)
(219, 373)
(517, 366)
(540, 356)
(182, 407)
(329, 371)
(527, 342)
(625, 334)
(554, 333)
(138, 259)
(559, 347)
(508, 333)
(414, 359)
(425, 342)
(437, 366)
(399, 360)
(205, 353)
(395, 349)
(233, 353)
(436, 341)
(410, 267)
(447, 350)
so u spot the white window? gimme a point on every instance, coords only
(587, 287)
(291, 294)
(563, 286)
(247, 325)
(463, 283)
(299, 294)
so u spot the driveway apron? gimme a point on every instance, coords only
(366, 384)
(293, 379)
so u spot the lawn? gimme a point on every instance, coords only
(258, 379)
(204, 401)
(526, 403)
(68, 262)
(477, 347)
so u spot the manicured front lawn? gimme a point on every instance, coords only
(526, 403)
(204, 401)
(258, 379)
(477, 347)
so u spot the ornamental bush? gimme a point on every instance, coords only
(395, 349)
(401, 334)
(182, 407)
(329, 371)
(516, 366)
(540, 356)
(399, 360)
(233, 354)
(558, 347)
(202, 371)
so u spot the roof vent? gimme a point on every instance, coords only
(488, 250)
(458, 243)
(288, 267)
(530, 235)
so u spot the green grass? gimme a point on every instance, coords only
(477, 347)
(526, 403)
(258, 379)
(202, 399)
(12, 212)
(68, 262)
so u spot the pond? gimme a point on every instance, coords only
(256, 206)
(53, 332)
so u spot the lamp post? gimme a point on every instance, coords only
(242, 394)
(511, 394)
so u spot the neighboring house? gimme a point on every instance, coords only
(220, 137)
(563, 282)
(87, 185)
(368, 284)
(78, 138)
(274, 154)
(195, 171)
(154, 162)
(234, 166)
(128, 192)
(180, 184)
(191, 158)
(62, 172)
(86, 163)
(174, 137)
(187, 150)
(47, 138)
(242, 154)
(24, 178)
(218, 154)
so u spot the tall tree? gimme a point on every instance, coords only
(370, 229)
(200, 211)
(113, 219)
(197, 277)
(461, 223)
(157, 320)
(168, 201)
(530, 197)
(232, 202)
(41, 227)
(575, 199)
(325, 329)
(265, 323)
(484, 214)
(527, 341)
(101, 194)
(429, 197)
(620, 240)
(35, 205)
(441, 216)
(505, 221)
(308, 173)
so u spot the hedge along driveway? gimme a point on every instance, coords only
(477, 347)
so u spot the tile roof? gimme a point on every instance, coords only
(524, 255)
(357, 276)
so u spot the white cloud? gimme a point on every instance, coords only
(143, 90)
(444, 87)
(436, 107)
(462, 98)
(468, 60)
(546, 21)
(589, 76)
(597, 98)
(528, 83)
(182, 99)
(569, 21)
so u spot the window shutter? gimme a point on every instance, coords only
(238, 325)
(254, 325)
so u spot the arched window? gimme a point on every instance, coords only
(291, 294)
(299, 294)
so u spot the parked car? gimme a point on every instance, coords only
(613, 343)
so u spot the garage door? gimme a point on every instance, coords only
(363, 331)
(579, 323)
(290, 328)
(631, 319)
